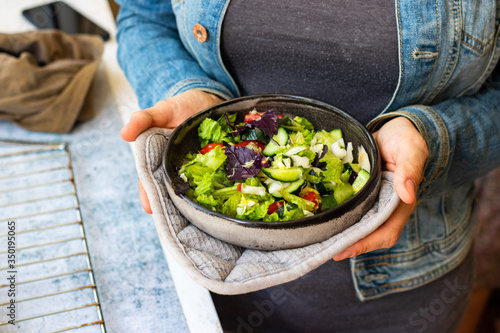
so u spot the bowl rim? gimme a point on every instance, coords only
(305, 221)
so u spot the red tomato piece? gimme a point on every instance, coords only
(249, 117)
(274, 207)
(313, 197)
(254, 144)
(209, 147)
(238, 188)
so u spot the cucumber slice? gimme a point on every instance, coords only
(321, 188)
(277, 143)
(336, 134)
(343, 193)
(290, 188)
(284, 175)
(360, 180)
(355, 166)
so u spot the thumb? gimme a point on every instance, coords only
(409, 165)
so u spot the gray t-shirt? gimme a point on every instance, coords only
(342, 52)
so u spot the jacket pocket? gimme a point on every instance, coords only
(478, 30)
(478, 48)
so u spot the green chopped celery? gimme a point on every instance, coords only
(226, 191)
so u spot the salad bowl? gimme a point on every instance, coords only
(280, 234)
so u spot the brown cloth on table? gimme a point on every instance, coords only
(45, 78)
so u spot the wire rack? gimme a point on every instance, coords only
(45, 267)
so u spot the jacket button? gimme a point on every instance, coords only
(200, 33)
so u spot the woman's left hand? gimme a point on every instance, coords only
(404, 151)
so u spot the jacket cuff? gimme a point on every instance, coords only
(434, 131)
(208, 86)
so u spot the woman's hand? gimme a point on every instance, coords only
(167, 113)
(403, 151)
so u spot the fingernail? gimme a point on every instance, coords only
(344, 255)
(411, 187)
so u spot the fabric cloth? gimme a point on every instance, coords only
(228, 269)
(45, 78)
(342, 53)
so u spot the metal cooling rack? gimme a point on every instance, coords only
(55, 289)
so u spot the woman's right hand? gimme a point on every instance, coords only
(168, 113)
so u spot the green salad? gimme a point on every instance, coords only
(271, 168)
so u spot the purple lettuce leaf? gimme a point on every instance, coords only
(319, 156)
(268, 123)
(179, 185)
(243, 163)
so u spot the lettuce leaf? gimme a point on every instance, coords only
(325, 138)
(213, 159)
(196, 170)
(229, 207)
(301, 138)
(209, 201)
(231, 118)
(308, 153)
(306, 124)
(204, 185)
(211, 131)
(334, 169)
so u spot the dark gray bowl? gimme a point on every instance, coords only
(275, 235)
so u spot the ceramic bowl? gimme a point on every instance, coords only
(275, 235)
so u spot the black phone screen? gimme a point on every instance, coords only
(59, 15)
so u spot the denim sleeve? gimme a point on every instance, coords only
(152, 56)
(462, 135)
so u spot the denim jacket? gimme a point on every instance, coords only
(448, 87)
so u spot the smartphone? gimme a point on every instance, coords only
(59, 15)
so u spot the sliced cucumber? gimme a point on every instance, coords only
(321, 188)
(360, 180)
(290, 188)
(277, 143)
(336, 134)
(355, 167)
(343, 193)
(284, 175)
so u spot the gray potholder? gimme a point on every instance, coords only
(228, 269)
